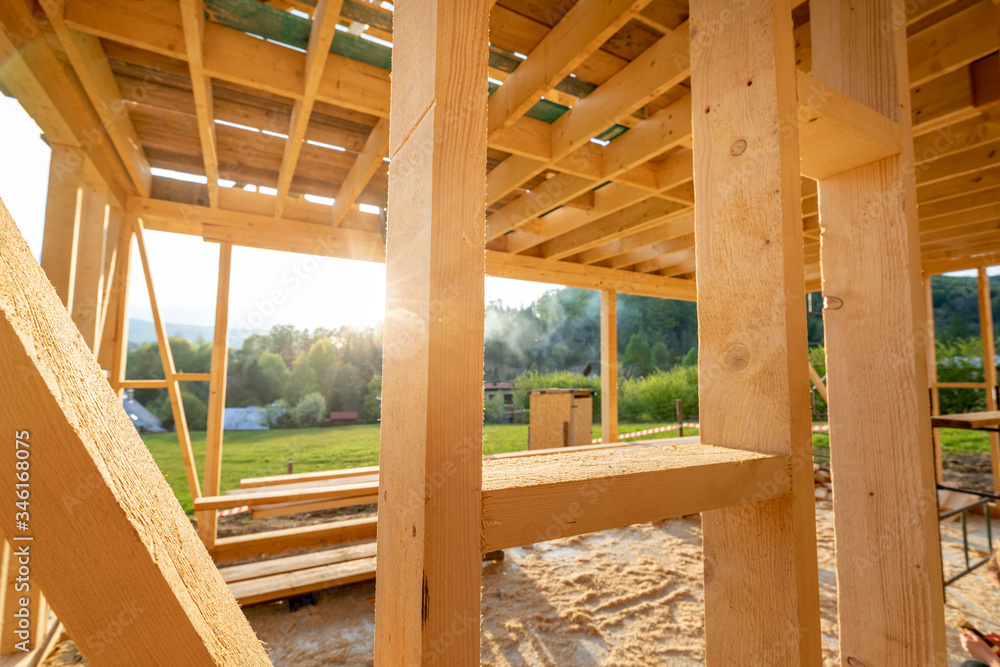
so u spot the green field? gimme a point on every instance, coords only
(259, 453)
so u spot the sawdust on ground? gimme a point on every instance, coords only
(628, 596)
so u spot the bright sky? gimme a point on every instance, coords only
(267, 287)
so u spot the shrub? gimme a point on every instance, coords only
(653, 397)
(311, 410)
(525, 382)
(493, 410)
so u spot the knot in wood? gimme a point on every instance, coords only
(854, 662)
(832, 303)
(738, 148)
(736, 357)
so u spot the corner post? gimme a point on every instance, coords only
(609, 366)
(890, 604)
(429, 534)
(761, 578)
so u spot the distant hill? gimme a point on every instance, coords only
(143, 331)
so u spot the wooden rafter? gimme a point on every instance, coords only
(90, 63)
(193, 25)
(320, 38)
(369, 161)
(583, 29)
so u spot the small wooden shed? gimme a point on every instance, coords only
(560, 418)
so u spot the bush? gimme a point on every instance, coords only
(653, 397)
(493, 410)
(277, 415)
(371, 411)
(311, 410)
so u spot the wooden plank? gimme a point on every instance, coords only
(296, 478)
(952, 43)
(369, 161)
(193, 25)
(528, 500)
(427, 604)
(90, 63)
(169, 372)
(968, 420)
(580, 32)
(761, 588)
(286, 496)
(217, 393)
(62, 226)
(817, 381)
(264, 568)
(837, 133)
(19, 596)
(285, 509)
(276, 541)
(88, 284)
(609, 366)
(300, 582)
(989, 363)
(317, 51)
(148, 568)
(881, 462)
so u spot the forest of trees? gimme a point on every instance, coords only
(339, 370)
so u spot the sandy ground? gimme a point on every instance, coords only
(630, 596)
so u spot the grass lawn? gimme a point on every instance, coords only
(260, 453)
(953, 440)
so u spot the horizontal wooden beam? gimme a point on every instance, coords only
(536, 500)
(328, 492)
(276, 541)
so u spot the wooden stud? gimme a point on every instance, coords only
(193, 23)
(761, 581)
(88, 285)
(217, 395)
(318, 50)
(989, 363)
(888, 577)
(427, 602)
(609, 366)
(90, 63)
(111, 548)
(18, 596)
(169, 372)
(932, 379)
(370, 160)
(62, 228)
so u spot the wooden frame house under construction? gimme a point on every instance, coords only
(733, 152)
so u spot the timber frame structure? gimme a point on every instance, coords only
(734, 152)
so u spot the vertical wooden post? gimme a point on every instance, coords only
(761, 579)
(932, 378)
(888, 571)
(609, 366)
(429, 536)
(116, 336)
(207, 521)
(61, 219)
(88, 285)
(679, 405)
(169, 372)
(989, 364)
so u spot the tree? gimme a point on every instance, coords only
(956, 328)
(301, 381)
(272, 377)
(661, 356)
(372, 410)
(310, 411)
(638, 354)
(691, 358)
